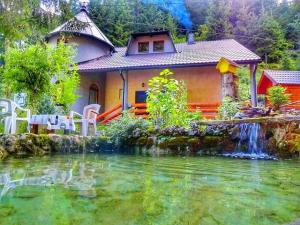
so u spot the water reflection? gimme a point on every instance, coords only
(80, 178)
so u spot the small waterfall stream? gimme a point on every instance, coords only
(251, 142)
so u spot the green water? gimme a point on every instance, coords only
(118, 189)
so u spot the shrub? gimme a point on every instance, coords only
(128, 126)
(228, 108)
(167, 101)
(277, 96)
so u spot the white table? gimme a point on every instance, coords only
(53, 122)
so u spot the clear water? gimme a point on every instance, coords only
(119, 189)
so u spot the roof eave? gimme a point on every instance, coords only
(182, 65)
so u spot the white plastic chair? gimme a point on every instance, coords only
(8, 111)
(88, 117)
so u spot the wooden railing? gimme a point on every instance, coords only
(110, 114)
(208, 111)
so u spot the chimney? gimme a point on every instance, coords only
(190, 38)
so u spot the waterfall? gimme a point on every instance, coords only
(251, 142)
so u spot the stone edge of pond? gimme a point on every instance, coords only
(282, 141)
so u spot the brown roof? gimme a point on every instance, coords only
(201, 53)
(90, 29)
(283, 76)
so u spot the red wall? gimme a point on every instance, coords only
(294, 90)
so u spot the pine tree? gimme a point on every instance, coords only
(218, 20)
(244, 29)
(269, 39)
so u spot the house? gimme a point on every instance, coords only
(288, 79)
(112, 76)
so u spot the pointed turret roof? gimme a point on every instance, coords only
(84, 27)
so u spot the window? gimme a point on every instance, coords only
(93, 94)
(140, 96)
(143, 47)
(158, 46)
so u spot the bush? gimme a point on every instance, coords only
(228, 108)
(167, 101)
(277, 96)
(128, 126)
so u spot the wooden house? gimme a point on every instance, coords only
(288, 79)
(118, 77)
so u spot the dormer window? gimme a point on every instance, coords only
(158, 46)
(143, 47)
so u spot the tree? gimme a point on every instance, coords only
(201, 34)
(288, 63)
(123, 17)
(218, 20)
(269, 39)
(245, 24)
(33, 69)
(14, 18)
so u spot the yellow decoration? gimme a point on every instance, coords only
(227, 66)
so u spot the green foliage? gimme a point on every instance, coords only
(127, 126)
(244, 83)
(288, 63)
(218, 20)
(269, 39)
(46, 106)
(14, 16)
(277, 96)
(245, 26)
(201, 34)
(31, 70)
(27, 70)
(167, 101)
(123, 17)
(228, 108)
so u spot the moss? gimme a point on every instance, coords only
(194, 141)
(211, 141)
(171, 142)
(142, 141)
(3, 153)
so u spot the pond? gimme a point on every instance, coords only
(124, 189)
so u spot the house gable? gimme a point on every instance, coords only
(87, 38)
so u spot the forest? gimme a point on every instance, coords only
(271, 28)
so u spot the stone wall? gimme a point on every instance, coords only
(280, 138)
(22, 145)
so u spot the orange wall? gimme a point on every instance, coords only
(294, 90)
(203, 84)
